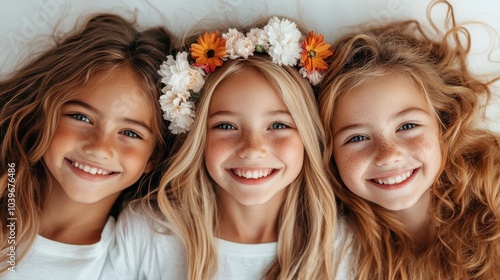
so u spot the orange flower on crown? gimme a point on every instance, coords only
(209, 51)
(314, 52)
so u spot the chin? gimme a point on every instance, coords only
(398, 206)
(83, 198)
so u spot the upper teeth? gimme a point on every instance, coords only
(394, 180)
(252, 174)
(91, 170)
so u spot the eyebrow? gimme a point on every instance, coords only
(393, 116)
(100, 114)
(409, 111)
(232, 113)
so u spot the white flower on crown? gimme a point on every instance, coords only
(178, 110)
(237, 45)
(171, 99)
(178, 75)
(259, 39)
(284, 41)
(314, 76)
(184, 118)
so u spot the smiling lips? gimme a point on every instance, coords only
(91, 170)
(252, 174)
(394, 179)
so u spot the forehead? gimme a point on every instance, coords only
(117, 94)
(380, 96)
(243, 89)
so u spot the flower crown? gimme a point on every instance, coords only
(280, 38)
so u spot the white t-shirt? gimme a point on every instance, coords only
(48, 259)
(142, 252)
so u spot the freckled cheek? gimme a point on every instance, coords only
(425, 146)
(219, 144)
(291, 148)
(427, 150)
(133, 158)
(351, 164)
(217, 149)
(65, 135)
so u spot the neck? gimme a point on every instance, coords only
(67, 221)
(249, 224)
(416, 220)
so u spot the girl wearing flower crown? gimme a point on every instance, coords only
(246, 196)
(417, 180)
(79, 124)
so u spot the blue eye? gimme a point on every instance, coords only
(407, 126)
(80, 117)
(225, 126)
(278, 126)
(357, 138)
(131, 134)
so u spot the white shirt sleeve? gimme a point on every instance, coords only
(49, 259)
(143, 250)
(343, 251)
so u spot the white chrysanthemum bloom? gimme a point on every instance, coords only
(232, 36)
(166, 88)
(170, 100)
(178, 110)
(175, 129)
(167, 70)
(284, 41)
(259, 38)
(182, 118)
(166, 101)
(179, 75)
(314, 76)
(244, 47)
(196, 79)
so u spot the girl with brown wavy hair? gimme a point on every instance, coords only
(416, 177)
(79, 124)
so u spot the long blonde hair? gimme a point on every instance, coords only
(31, 99)
(465, 208)
(187, 199)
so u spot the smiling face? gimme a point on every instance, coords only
(253, 150)
(386, 142)
(103, 140)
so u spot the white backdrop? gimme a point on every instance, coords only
(22, 22)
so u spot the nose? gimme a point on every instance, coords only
(253, 146)
(387, 153)
(99, 145)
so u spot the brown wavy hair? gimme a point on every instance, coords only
(32, 96)
(464, 215)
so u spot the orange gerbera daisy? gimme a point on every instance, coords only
(315, 50)
(209, 51)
